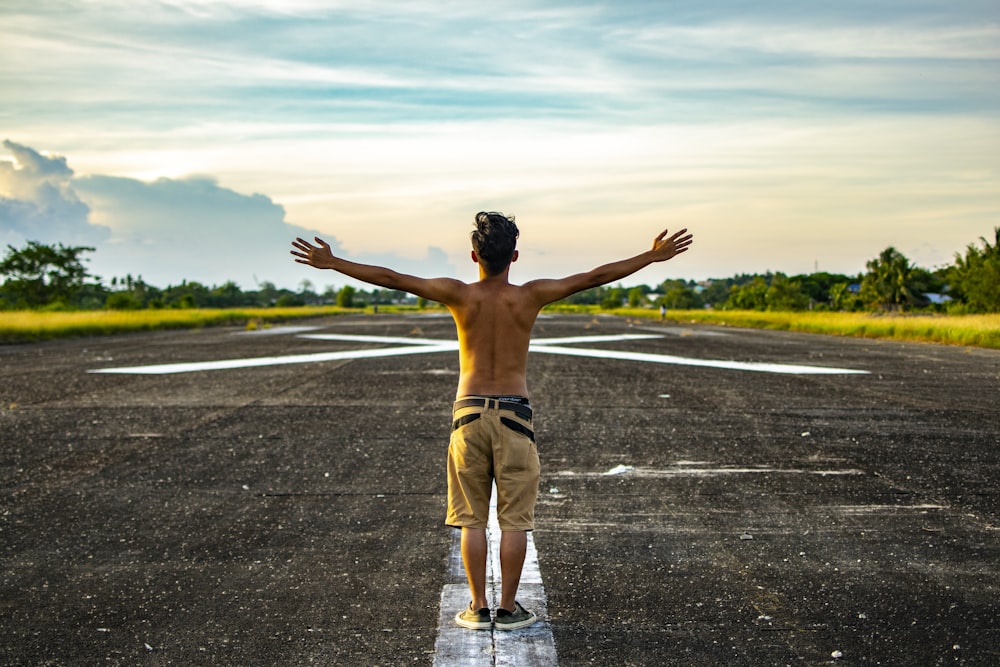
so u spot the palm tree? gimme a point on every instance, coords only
(975, 277)
(891, 283)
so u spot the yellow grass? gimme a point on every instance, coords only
(27, 325)
(971, 330)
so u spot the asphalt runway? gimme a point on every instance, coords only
(691, 513)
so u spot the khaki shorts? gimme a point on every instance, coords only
(493, 440)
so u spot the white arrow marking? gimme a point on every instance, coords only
(428, 345)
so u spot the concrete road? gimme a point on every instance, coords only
(698, 506)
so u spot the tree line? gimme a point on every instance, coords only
(55, 277)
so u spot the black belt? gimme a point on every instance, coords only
(506, 421)
(519, 409)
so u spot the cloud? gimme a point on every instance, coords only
(37, 202)
(166, 230)
(195, 229)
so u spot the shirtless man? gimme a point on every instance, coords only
(492, 438)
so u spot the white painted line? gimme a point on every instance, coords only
(225, 364)
(868, 509)
(455, 645)
(533, 646)
(683, 470)
(685, 361)
(405, 340)
(276, 331)
(610, 338)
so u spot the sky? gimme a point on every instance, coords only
(194, 140)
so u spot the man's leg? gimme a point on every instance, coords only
(510, 614)
(474, 550)
(513, 547)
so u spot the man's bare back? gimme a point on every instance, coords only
(494, 321)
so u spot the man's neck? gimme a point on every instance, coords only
(502, 278)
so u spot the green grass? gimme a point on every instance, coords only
(970, 330)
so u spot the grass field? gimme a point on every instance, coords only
(971, 330)
(25, 325)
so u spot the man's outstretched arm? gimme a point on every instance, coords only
(320, 256)
(664, 247)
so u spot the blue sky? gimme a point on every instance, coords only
(195, 139)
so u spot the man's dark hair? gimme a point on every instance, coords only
(494, 240)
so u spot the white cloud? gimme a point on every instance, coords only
(794, 40)
(37, 202)
(195, 229)
(166, 230)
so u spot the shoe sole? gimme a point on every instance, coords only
(518, 625)
(471, 625)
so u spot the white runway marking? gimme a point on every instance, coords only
(686, 361)
(682, 469)
(277, 331)
(405, 340)
(428, 345)
(569, 340)
(529, 647)
(164, 369)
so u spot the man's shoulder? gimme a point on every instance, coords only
(452, 288)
